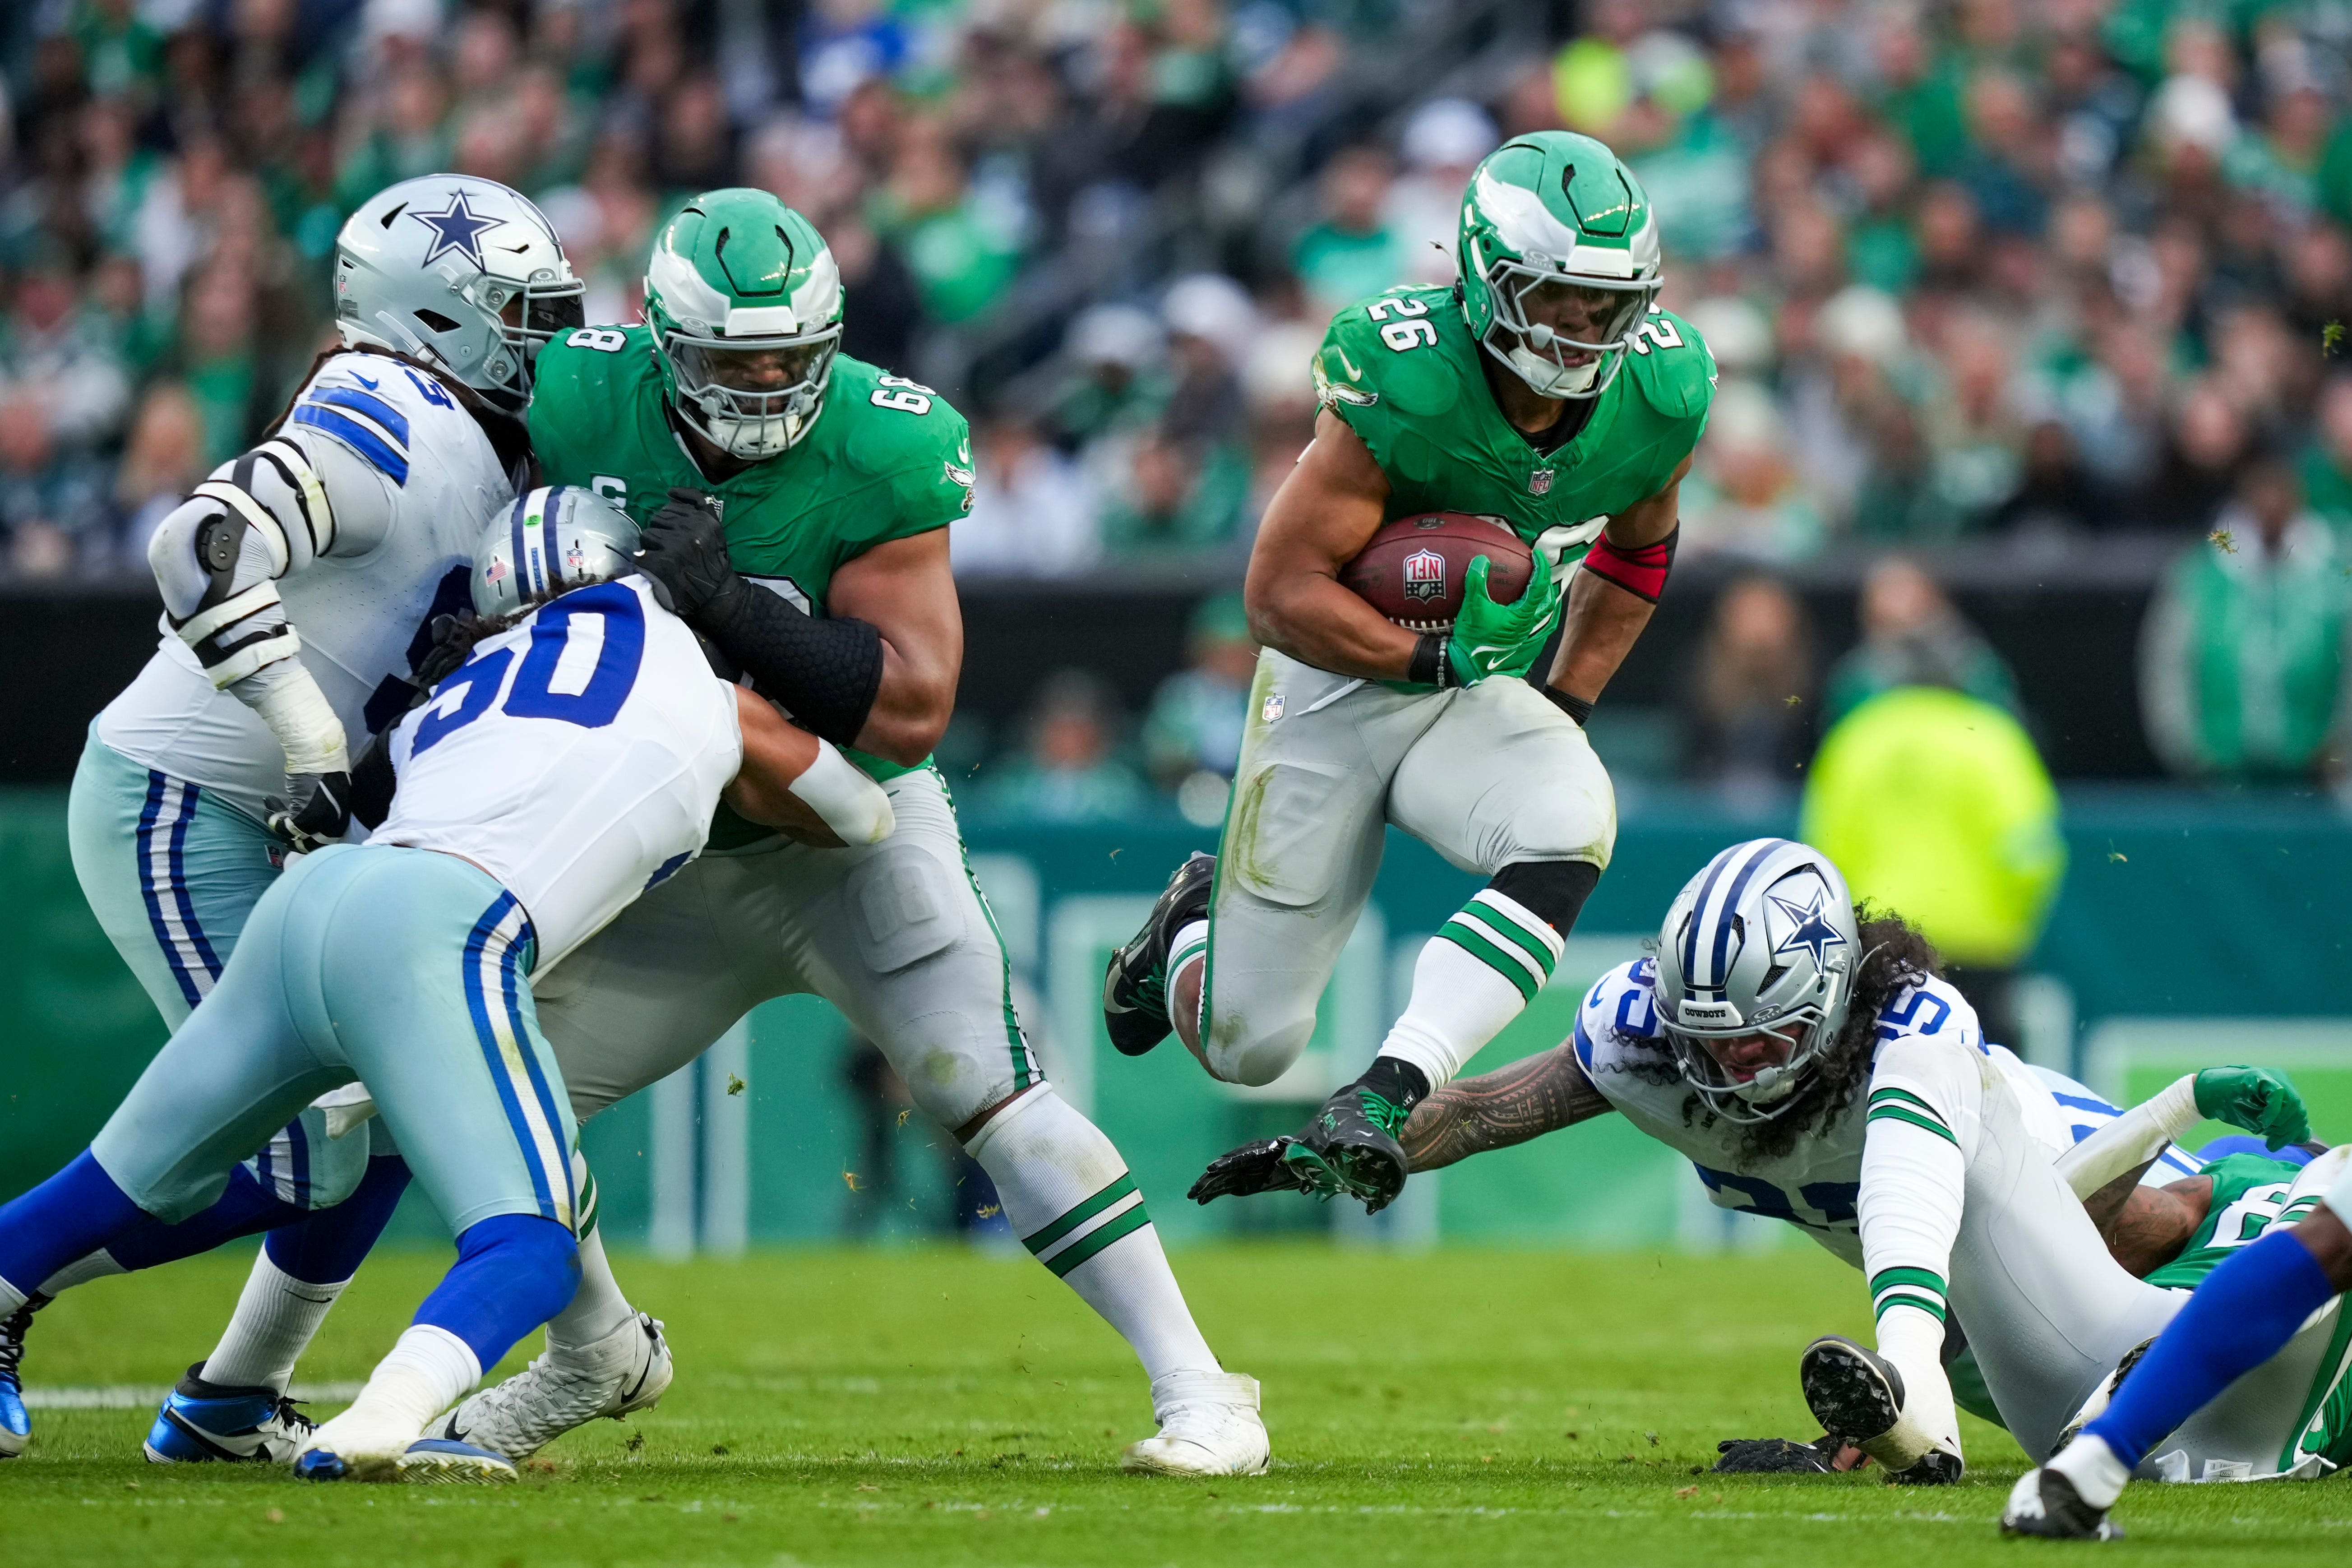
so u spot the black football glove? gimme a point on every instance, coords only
(684, 547)
(1777, 1457)
(315, 812)
(1252, 1168)
(442, 659)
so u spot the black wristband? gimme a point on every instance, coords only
(826, 673)
(1576, 708)
(1430, 667)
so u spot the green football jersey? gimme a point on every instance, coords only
(885, 458)
(2249, 1197)
(2250, 1200)
(1405, 372)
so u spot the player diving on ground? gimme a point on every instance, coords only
(571, 762)
(1546, 390)
(298, 583)
(1805, 1057)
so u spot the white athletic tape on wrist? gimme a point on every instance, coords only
(852, 804)
(297, 713)
(2131, 1140)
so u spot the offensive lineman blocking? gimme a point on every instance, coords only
(795, 503)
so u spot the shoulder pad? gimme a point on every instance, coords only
(1621, 1001)
(1934, 1011)
(916, 427)
(1676, 375)
(1357, 368)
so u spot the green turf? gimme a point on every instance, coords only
(939, 1407)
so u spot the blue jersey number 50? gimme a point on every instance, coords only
(615, 613)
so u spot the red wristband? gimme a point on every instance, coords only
(1640, 571)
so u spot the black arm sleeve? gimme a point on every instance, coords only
(825, 673)
(372, 783)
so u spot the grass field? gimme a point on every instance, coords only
(940, 1408)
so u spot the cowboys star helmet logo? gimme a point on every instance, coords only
(458, 230)
(1813, 933)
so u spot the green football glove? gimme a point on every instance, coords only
(2255, 1099)
(1491, 640)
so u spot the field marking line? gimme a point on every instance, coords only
(138, 1396)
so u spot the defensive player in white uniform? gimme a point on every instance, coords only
(299, 583)
(573, 761)
(1782, 1044)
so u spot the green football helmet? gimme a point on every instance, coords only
(1560, 260)
(744, 299)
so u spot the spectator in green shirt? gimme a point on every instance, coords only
(1350, 252)
(2242, 657)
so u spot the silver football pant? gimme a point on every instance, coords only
(1487, 776)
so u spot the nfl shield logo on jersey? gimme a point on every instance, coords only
(1424, 574)
(1539, 483)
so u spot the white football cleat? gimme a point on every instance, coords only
(627, 1370)
(1209, 1425)
(437, 1459)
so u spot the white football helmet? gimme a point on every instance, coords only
(460, 273)
(546, 539)
(1763, 940)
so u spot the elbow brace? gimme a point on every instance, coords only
(1640, 571)
(824, 672)
(218, 557)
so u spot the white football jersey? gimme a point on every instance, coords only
(576, 756)
(412, 480)
(1817, 1184)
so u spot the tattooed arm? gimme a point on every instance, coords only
(2146, 1227)
(1531, 1097)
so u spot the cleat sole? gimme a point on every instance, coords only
(433, 1461)
(1846, 1393)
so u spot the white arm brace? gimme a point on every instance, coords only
(218, 557)
(2131, 1140)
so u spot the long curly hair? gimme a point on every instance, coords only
(1896, 954)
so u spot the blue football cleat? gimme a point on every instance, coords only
(15, 1421)
(201, 1422)
(437, 1459)
(320, 1464)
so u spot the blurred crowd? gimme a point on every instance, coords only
(2075, 268)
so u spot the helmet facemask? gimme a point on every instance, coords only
(751, 398)
(1772, 1090)
(1545, 319)
(528, 313)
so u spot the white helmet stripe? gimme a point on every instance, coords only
(1711, 927)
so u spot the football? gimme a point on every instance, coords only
(1415, 569)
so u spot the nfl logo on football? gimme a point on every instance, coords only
(1424, 574)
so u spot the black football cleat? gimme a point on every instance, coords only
(1135, 982)
(1857, 1395)
(2045, 1504)
(1854, 1394)
(1352, 1148)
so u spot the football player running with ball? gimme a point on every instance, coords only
(794, 502)
(1544, 389)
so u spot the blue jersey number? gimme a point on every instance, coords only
(615, 614)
